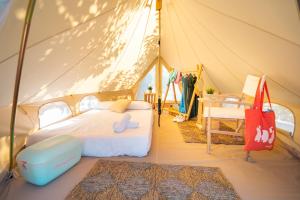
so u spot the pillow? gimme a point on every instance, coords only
(139, 105)
(120, 105)
(104, 105)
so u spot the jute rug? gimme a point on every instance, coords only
(192, 134)
(119, 180)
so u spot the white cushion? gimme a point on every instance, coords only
(250, 85)
(139, 105)
(225, 113)
(120, 105)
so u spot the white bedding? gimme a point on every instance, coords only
(94, 128)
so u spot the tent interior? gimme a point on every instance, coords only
(84, 52)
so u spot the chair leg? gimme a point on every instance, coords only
(247, 155)
(239, 126)
(208, 134)
(237, 122)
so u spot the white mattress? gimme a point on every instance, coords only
(94, 128)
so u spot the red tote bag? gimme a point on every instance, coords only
(260, 129)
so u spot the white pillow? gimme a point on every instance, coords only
(120, 105)
(104, 105)
(139, 105)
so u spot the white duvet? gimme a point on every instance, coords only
(94, 128)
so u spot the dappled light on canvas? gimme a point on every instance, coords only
(20, 14)
(170, 82)
(107, 48)
(93, 9)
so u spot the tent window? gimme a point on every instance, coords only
(88, 103)
(149, 80)
(53, 112)
(285, 119)
(165, 78)
(4, 7)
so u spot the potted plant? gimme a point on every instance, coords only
(150, 89)
(210, 91)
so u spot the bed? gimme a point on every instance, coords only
(94, 129)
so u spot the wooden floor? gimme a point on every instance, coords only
(274, 175)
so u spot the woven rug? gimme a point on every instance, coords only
(192, 134)
(118, 180)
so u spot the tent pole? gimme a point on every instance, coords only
(159, 64)
(158, 8)
(22, 50)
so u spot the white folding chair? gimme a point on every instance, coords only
(228, 113)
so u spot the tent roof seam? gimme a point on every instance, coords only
(61, 32)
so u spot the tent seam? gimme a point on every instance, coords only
(173, 35)
(220, 61)
(61, 32)
(64, 73)
(250, 66)
(247, 23)
(127, 44)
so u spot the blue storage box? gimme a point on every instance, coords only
(44, 161)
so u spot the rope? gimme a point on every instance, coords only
(65, 72)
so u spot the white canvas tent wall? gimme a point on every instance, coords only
(235, 38)
(74, 48)
(89, 46)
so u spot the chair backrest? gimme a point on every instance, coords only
(250, 85)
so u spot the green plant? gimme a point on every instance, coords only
(149, 87)
(210, 90)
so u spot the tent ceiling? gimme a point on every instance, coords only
(235, 39)
(90, 46)
(81, 47)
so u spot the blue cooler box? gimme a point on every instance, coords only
(44, 161)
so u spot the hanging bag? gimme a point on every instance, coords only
(260, 129)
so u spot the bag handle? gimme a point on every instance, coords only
(257, 100)
(268, 95)
(259, 97)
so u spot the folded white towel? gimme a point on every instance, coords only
(133, 124)
(124, 123)
(121, 125)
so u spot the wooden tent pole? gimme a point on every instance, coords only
(174, 92)
(166, 94)
(22, 50)
(158, 8)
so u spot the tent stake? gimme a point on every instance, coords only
(24, 39)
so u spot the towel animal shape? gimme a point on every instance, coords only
(124, 123)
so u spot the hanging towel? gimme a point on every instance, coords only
(178, 78)
(172, 77)
(183, 103)
(194, 111)
(192, 79)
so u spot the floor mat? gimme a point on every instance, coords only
(120, 180)
(192, 134)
